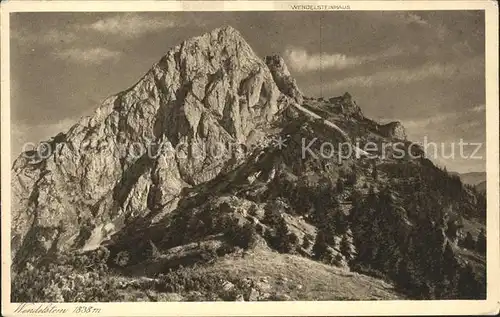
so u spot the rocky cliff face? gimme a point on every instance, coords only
(141, 147)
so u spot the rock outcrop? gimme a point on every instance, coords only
(347, 105)
(141, 147)
(286, 83)
(393, 130)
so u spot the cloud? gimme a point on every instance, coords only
(399, 19)
(472, 124)
(432, 31)
(441, 32)
(463, 116)
(398, 76)
(478, 108)
(125, 24)
(426, 122)
(300, 60)
(94, 55)
(410, 18)
(131, 25)
(57, 36)
(26, 136)
(50, 37)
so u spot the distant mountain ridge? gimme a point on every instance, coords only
(473, 178)
(477, 179)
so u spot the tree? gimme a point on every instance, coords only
(352, 178)
(306, 244)
(345, 248)
(292, 241)
(340, 185)
(357, 204)
(320, 246)
(340, 222)
(371, 198)
(405, 274)
(469, 242)
(468, 285)
(374, 172)
(481, 242)
(452, 230)
(450, 263)
(337, 260)
(243, 236)
(154, 250)
(283, 240)
(248, 236)
(270, 215)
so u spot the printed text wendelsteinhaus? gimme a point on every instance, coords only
(319, 7)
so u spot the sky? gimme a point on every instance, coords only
(425, 69)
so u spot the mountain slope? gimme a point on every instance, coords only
(238, 165)
(473, 178)
(481, 186)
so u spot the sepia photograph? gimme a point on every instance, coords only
(315, 153)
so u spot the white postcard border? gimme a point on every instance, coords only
(319, 308)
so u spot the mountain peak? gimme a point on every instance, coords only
(209, 91)
(227, 29)
(226, 35)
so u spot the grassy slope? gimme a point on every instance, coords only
(298, 277)
(318, 281)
